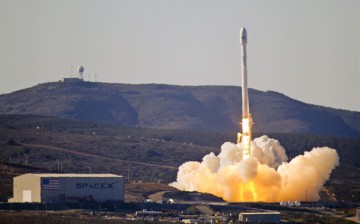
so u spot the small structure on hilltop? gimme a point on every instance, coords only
(81, 71)
(80, 78)
(72, 80)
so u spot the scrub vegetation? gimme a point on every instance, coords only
(49, 144)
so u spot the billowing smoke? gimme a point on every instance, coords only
(266, 176)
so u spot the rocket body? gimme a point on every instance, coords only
(245, 96)
(245, 137)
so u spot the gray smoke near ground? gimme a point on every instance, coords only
(266, 176)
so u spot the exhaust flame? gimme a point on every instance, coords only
(245, 137)
(264, 176)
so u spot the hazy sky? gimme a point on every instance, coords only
(308, 50)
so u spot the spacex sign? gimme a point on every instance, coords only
(95, 185)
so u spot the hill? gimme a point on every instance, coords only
(207, 108)
(61, 145)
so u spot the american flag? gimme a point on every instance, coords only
(50, 184)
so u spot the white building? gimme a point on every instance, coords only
(71, 80)
(260, 217)
(68, 187)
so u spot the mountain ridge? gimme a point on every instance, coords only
(213, 108)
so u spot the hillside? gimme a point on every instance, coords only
(61, 145)
(207, 108)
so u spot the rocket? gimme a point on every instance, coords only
(245, 96)
(245, 137)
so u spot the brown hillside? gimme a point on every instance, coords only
(208, 108)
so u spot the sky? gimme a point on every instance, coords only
(308, 50)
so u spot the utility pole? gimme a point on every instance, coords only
(58, 165)
(26, 159)
(128, 175)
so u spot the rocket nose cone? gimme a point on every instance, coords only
(243, 31)
(243, 36)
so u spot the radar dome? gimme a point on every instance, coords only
(290, 203)
(81, 68)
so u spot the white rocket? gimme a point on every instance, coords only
(245, 96)
(245, 136)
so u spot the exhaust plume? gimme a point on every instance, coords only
(265, 176)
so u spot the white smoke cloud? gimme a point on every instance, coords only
(268, 151)
(266, 176)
